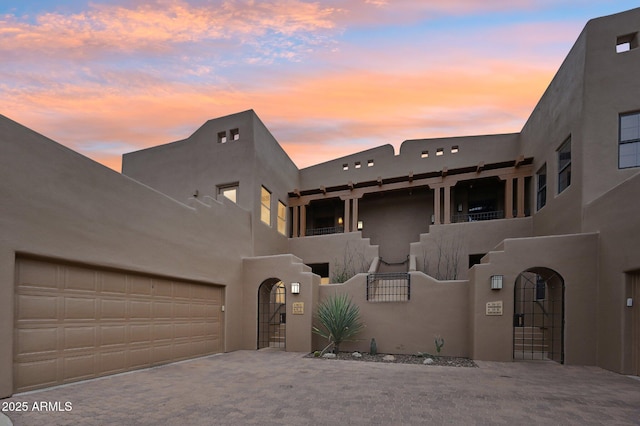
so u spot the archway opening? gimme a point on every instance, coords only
(272, 316)
(538, 318)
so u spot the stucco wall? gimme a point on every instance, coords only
(573, 257)
(288, 269)
(435, 308)
(611, 87)
(338, 250)
(61, 205)
(615, 217)
(556, 117)
(444, 251)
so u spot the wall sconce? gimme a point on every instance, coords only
(496, 282)
(360, 225)
(295, 288)
(340, 221)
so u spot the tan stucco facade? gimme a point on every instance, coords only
(226, 213)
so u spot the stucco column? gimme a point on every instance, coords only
(296, 221)
(436, 205)
(521, 196)
(508, 198)
(303, 220)
(447, 205)
(347, 215)
(354, 215)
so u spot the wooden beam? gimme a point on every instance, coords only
(480, 167)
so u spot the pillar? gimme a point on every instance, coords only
(508, 198)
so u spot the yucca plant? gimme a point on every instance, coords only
(339, 318)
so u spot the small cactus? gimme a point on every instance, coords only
(439, 341)
(373, 348)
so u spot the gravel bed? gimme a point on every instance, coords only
(446, 361)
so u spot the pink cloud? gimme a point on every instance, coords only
(159, 26)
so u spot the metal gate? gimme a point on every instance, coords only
(538, 319)
(272, 314)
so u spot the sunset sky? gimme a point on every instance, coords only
(328, 78)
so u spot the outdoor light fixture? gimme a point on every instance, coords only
(340, 221)
(360, 225)
(295, 288)
(496, 282)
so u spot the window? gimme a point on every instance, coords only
(454, 149)
(358, 164)
(425, 154)
(229, 191)
(222, 137)
(629, 141)
(370, 163)
(564, 165)
(265, 208)
(541, 192)
(439, 152)
(345, 167)
(626, 42)
(235, 134)
(282, 218)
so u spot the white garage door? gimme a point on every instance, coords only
(74, 323)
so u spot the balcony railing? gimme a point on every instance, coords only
(324, 231)
(473, 217)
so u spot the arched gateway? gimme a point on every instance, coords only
(538, 319)
(272, 316)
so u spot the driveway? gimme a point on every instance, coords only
(251, 387)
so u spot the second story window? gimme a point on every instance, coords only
(541, 190)
(564, 165)
(629, 141)
(265, 207)
(282, 218)
(229, 191)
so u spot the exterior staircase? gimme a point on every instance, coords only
(277, 336)
(529, 343)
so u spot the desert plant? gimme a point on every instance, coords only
(339, 318)
(439, 341)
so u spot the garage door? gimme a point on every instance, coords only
(74, 323)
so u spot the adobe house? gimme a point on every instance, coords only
(514, 246)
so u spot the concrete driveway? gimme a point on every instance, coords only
(250, 387)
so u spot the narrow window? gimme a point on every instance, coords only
(265, 207)
(629, 141)
(345, 167)
(358, 165)
(541, 193)
(370, 163)
(222, 137)
(454, 149)
(564, 165)
(439, 152)
(229, 191)
(425, 154)
(235, 134)
(282, 218)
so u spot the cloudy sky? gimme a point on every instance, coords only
(328, 78)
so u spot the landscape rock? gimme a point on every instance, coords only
(356, 355)
(389, 358)
(428, 361)
(329, 356)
